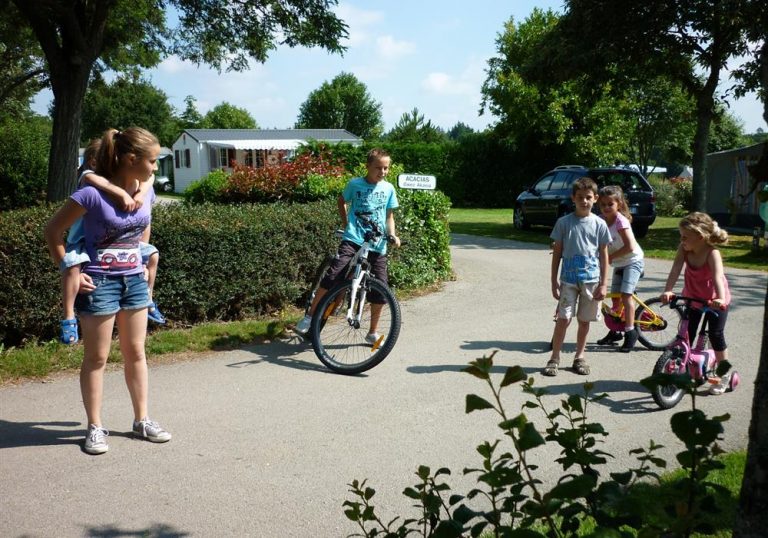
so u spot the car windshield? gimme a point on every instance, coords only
(626, 180)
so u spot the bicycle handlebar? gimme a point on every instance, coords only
(706, 303)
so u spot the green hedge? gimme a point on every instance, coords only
(217, 262)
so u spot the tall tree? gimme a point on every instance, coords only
(752, 515)
(22, 70)
(127, 101)
(413, 128)
(228, 116)
(690, 41)
(191, 117)
(343, 103)
(459, 130)
(77, 35)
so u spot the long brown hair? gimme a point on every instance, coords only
(116, 145)
(616, 192)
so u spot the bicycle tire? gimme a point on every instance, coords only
(657, 329)
(319, 274)
(341, 346)
(667, 396)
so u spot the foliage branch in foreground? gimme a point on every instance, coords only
(510, 500)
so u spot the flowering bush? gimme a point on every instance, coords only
(307, 177)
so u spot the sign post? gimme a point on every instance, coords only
(416, 181)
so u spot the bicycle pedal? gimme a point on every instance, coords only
(714, 380)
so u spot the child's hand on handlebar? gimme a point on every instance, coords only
(718, 303)
(666, 297)
(394, 240)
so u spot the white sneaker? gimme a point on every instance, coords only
(372, 338)
(150, 430)
(96, 440)
(302, 327)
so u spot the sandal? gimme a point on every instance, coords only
(68, 331)
(154, 314)
(580, 366)
(550, 369)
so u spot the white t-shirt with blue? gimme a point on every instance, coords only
(581, 238)
(364, 197)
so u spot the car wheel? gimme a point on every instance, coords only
(640, 231)
(167, 187)
(518, 219)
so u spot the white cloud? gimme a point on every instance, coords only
(468, 82)
(173, 65)
(359, 22)
(388, 48)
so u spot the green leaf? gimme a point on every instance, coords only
(513, 375)
(529, 437)
(476, 403)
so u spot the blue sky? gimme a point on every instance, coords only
(427, 54)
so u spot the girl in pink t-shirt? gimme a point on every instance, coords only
(704, 278)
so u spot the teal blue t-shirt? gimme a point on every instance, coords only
(364, 197)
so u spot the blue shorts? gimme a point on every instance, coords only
(625, 278)
(112, 294)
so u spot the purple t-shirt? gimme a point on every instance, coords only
(112, 235)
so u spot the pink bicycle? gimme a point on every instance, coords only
(697, 362)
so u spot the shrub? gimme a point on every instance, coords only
(206, 189)
(674, 197)
(510, 500)
(217, 262)
(24, 148)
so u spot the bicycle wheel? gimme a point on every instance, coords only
(319, 274)
(657, 324)
(341, 344)
(668, 396)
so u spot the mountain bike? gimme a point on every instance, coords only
(341, 325)
(697, 362)
(656, 322)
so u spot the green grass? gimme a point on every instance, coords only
(661, 241)
(43, 359)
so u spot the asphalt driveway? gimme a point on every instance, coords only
(266, 439)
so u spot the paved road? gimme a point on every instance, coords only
(265, 439)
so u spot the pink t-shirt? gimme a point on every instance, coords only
(699, 282)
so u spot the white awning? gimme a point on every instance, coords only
(256, 144)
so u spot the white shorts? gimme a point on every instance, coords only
(578, 298)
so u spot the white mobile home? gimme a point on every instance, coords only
(198, 152)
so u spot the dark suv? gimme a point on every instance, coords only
(550, 197)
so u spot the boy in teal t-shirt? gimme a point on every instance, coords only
(371, 194)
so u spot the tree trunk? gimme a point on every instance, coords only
(752, 514)
(68, 91)
(700, 141)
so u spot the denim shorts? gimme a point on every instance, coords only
(625, 278)
(114, 293)
(74, 255)
(146, 251)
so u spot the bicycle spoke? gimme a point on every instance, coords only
(341, 344)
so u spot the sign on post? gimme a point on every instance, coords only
(416, 181)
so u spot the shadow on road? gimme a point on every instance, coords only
(18, 434)
(285, 353)
(155, 531)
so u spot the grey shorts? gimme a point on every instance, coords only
(578, 299)
(625, 278)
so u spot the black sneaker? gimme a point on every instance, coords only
(610, 339)
(630, 339)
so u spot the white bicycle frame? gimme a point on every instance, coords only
(355, 317)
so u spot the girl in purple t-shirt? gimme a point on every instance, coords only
(113, 288)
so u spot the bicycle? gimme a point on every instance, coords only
(697, 362)
(342, 319)
(656, 323)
